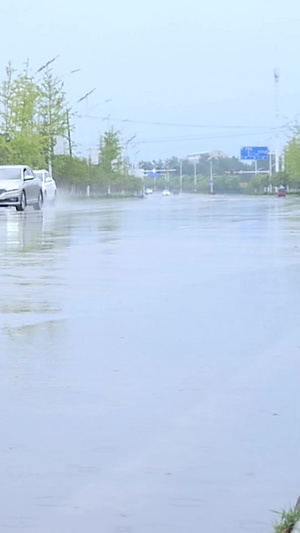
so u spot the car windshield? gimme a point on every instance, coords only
(10, 173)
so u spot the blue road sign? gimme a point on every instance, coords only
(152, 174)
(255, 153)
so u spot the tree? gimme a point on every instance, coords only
(71, 170)
(24, 103)
(292, 156)
(111, 153)
(6, 99)
(53, 112)
(20, 140)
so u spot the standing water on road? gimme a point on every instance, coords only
(149, 371)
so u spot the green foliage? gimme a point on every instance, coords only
(52, 108)
(20, 139)
(74, 171)
(221, 166)
(27, 145)
(222, 184)
(24, 102)
(71, 170)
(6, 99)
(258, 183)
(281, 178)
(31, 115)
(227, 184)
(287, 521)
(292, 157)
(111, 153)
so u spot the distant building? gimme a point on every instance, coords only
(60, 145)
(136, 172)
(93, 156)
(217, 154)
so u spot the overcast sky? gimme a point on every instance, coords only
(183, 77)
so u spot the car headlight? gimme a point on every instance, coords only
(12, 189)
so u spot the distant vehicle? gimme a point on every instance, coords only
(148, 191)
(166, 192)
(19, 187)
(176, 191)
(281, 191)
(48, 186)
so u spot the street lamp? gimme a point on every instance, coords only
(50, 147)
(101, 103)
(180, 175)
(276, 80)
(69, 73)
(46, 64)
(85, 96)
(107, 118)
(195, 159)
(211, 183)
(68, 111)
(125, 157)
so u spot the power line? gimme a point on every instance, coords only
(173, 124)
(182, 139)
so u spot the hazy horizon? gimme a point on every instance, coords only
(180, 78)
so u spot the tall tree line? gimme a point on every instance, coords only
(33, 112)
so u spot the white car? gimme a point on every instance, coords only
(19, 187)
(48, 185)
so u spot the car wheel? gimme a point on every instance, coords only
(22, 204)
(39, 204)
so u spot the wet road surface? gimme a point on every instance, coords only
(149, 369)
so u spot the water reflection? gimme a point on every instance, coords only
(20, 231)
(36, 251)
(28, 272)
(30, 231)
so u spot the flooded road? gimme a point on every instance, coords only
(149, 369)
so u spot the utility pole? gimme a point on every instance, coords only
(270, 165)
(85, 97)
(195, 175)
(211, 181)
(69, 135)
(180, 175)
(276, 79)
(194, 158)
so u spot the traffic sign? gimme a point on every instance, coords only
(152, 174)
(255, 153)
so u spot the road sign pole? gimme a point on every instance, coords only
(211, 183)
(180, 176)
(276, 79)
